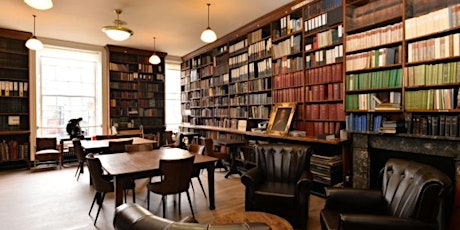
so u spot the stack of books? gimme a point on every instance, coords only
(392, 127)
(326, 169)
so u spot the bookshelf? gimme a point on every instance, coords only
(136, 89)
(402, 68)
(293, 54)
(14, 98)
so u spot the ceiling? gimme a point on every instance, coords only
(176, 24)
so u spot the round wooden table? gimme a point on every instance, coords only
(275, 222)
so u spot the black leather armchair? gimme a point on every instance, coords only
(280, 183)
(410, 198)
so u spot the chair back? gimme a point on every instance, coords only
(139, 147)
(283, 163)
(196, 148)
(414, 190)
(177, 174)
(43, 143)
(95, 170)
(105, 137)
(168, 137)
(209, 147)
(119, 146)
(78, 150)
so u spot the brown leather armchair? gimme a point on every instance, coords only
(135, 217)
(280, 183)
(410, 198)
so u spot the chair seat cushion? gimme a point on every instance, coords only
(47, 152)
(277, 189)
(330, 219)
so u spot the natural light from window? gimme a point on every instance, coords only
(68, 87)
(172, 97)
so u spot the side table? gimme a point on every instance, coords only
(232, 146)
(275, 222)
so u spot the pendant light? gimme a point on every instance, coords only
(40, 4)
(208, 35)
(154, 59)
(117, 32)
(33, 43)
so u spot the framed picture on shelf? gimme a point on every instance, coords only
(281, 118)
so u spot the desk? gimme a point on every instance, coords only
(125, 167)
(233, 151)
(96, 146)
(275, 222)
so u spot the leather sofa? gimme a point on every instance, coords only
(135, 217)
(410, 197)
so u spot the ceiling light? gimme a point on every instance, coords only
(40, 4)
(208, 35)
(154, 59)
(33, 43)
(117, 32)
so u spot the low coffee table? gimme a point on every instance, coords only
(275, 222)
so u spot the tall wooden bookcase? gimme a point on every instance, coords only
(14, 97)
(136, 89)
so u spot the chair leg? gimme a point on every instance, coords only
(92, 204)
(100, 206)
(148, 198)
(191, 183)
(134, 194)
(163, 201)
(190, 203)
(202, 188)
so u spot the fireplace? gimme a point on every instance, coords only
(371, 151)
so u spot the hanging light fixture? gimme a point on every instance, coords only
(33, 43)
(208, 35)
(154, 59)
(117, 32)
(40, 4)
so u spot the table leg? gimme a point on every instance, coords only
(119, 182)
(211, 193)
(233, 168)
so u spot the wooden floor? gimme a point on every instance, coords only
(52, 199)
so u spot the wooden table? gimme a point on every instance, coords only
(97, 146)
(125, 167)
(275, 222)
(233, 151)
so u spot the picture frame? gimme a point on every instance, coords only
(281, 118)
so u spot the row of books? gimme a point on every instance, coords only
(123, 103)
(286, 47)
(324, 57)
(123, 95)
(260, 69)
(363, 122)
(367, 14)
(239, 100)
(12, 150)
(287, 25)
(325, 74)
(238, 87)
(433, 125)
(321, 6)
(144, 103)
(326, 38)
(292, 79)
(260, 84)
(315, 128)
(286, 65)
(146, 68)
(123, 111)
(433, 22)
(332, 112)
(206, 71)
(442, 99)
(374, 58)
(238, 46)
(150, 112)
(374, 101)
(332, 91)
(238, 59)
(434, 48)
(375, 37)
(260, 49)
(238, 112)
(123, 85)
(259, 112)
(432, 74)
(289, 95)
(374, 80)
(255, 36)
(260, 98)
(150, 88)
(13, 105)
(151, 121)
(14, 88)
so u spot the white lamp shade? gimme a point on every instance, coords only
(154, 59)
(40, 4)
(208, 35)
(34, 44)
(117, 33)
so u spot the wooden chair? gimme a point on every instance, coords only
(119, 146)
(47, 150)
(139, 147)
(105, 137)
(209, 150)
(197, 149)
(170, 142)
(102, 183)
(80, 154)
(176, 179)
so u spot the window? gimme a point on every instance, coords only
(68, 87)
(173, 115)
